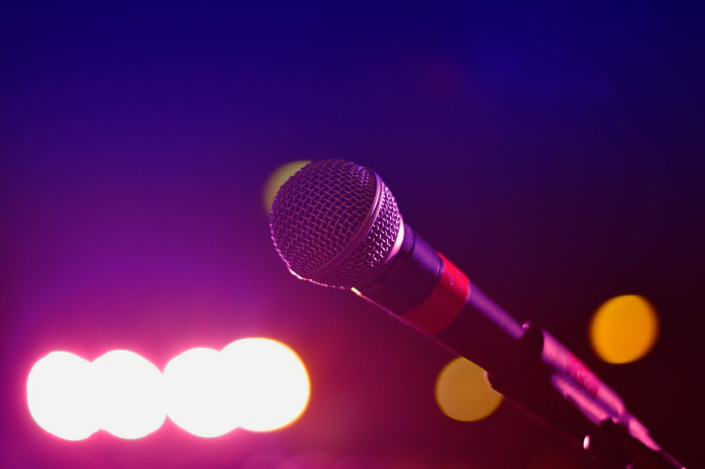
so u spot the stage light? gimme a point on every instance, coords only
(624, 329)
(279, 177)
(462, 392)
(258, 384)
(61, 397)
(130, 393)
(200, 393)
(272, 384)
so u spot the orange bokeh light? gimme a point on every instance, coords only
(463, 393)
(624, 329)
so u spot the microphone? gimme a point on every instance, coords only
(336, 224)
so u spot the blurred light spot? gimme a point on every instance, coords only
(258, 384)
(200, 394)
(558, 458)
(279, 177)
(60, 396)
(462, 392)
(130, 393)
(624, 329)
(273, 386)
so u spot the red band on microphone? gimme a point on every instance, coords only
(445, 302)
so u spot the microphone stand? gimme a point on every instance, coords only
(525, 363)
(556, 389)
(422, 288)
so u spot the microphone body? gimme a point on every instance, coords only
(337, 224)
(426, 291)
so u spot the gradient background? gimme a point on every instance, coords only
(554, 153)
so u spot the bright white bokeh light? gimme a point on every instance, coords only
(60, 396)
(130, 394)
(200, 395)
(257, 384)
(272, 384)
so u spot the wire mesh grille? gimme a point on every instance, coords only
(318, 211)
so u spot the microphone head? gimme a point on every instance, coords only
(334, 223)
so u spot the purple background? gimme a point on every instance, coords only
(555, 154)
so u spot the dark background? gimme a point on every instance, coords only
(554, 153)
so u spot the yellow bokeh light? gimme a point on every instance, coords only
(624, 329)
(279, 177)
(462, 392)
